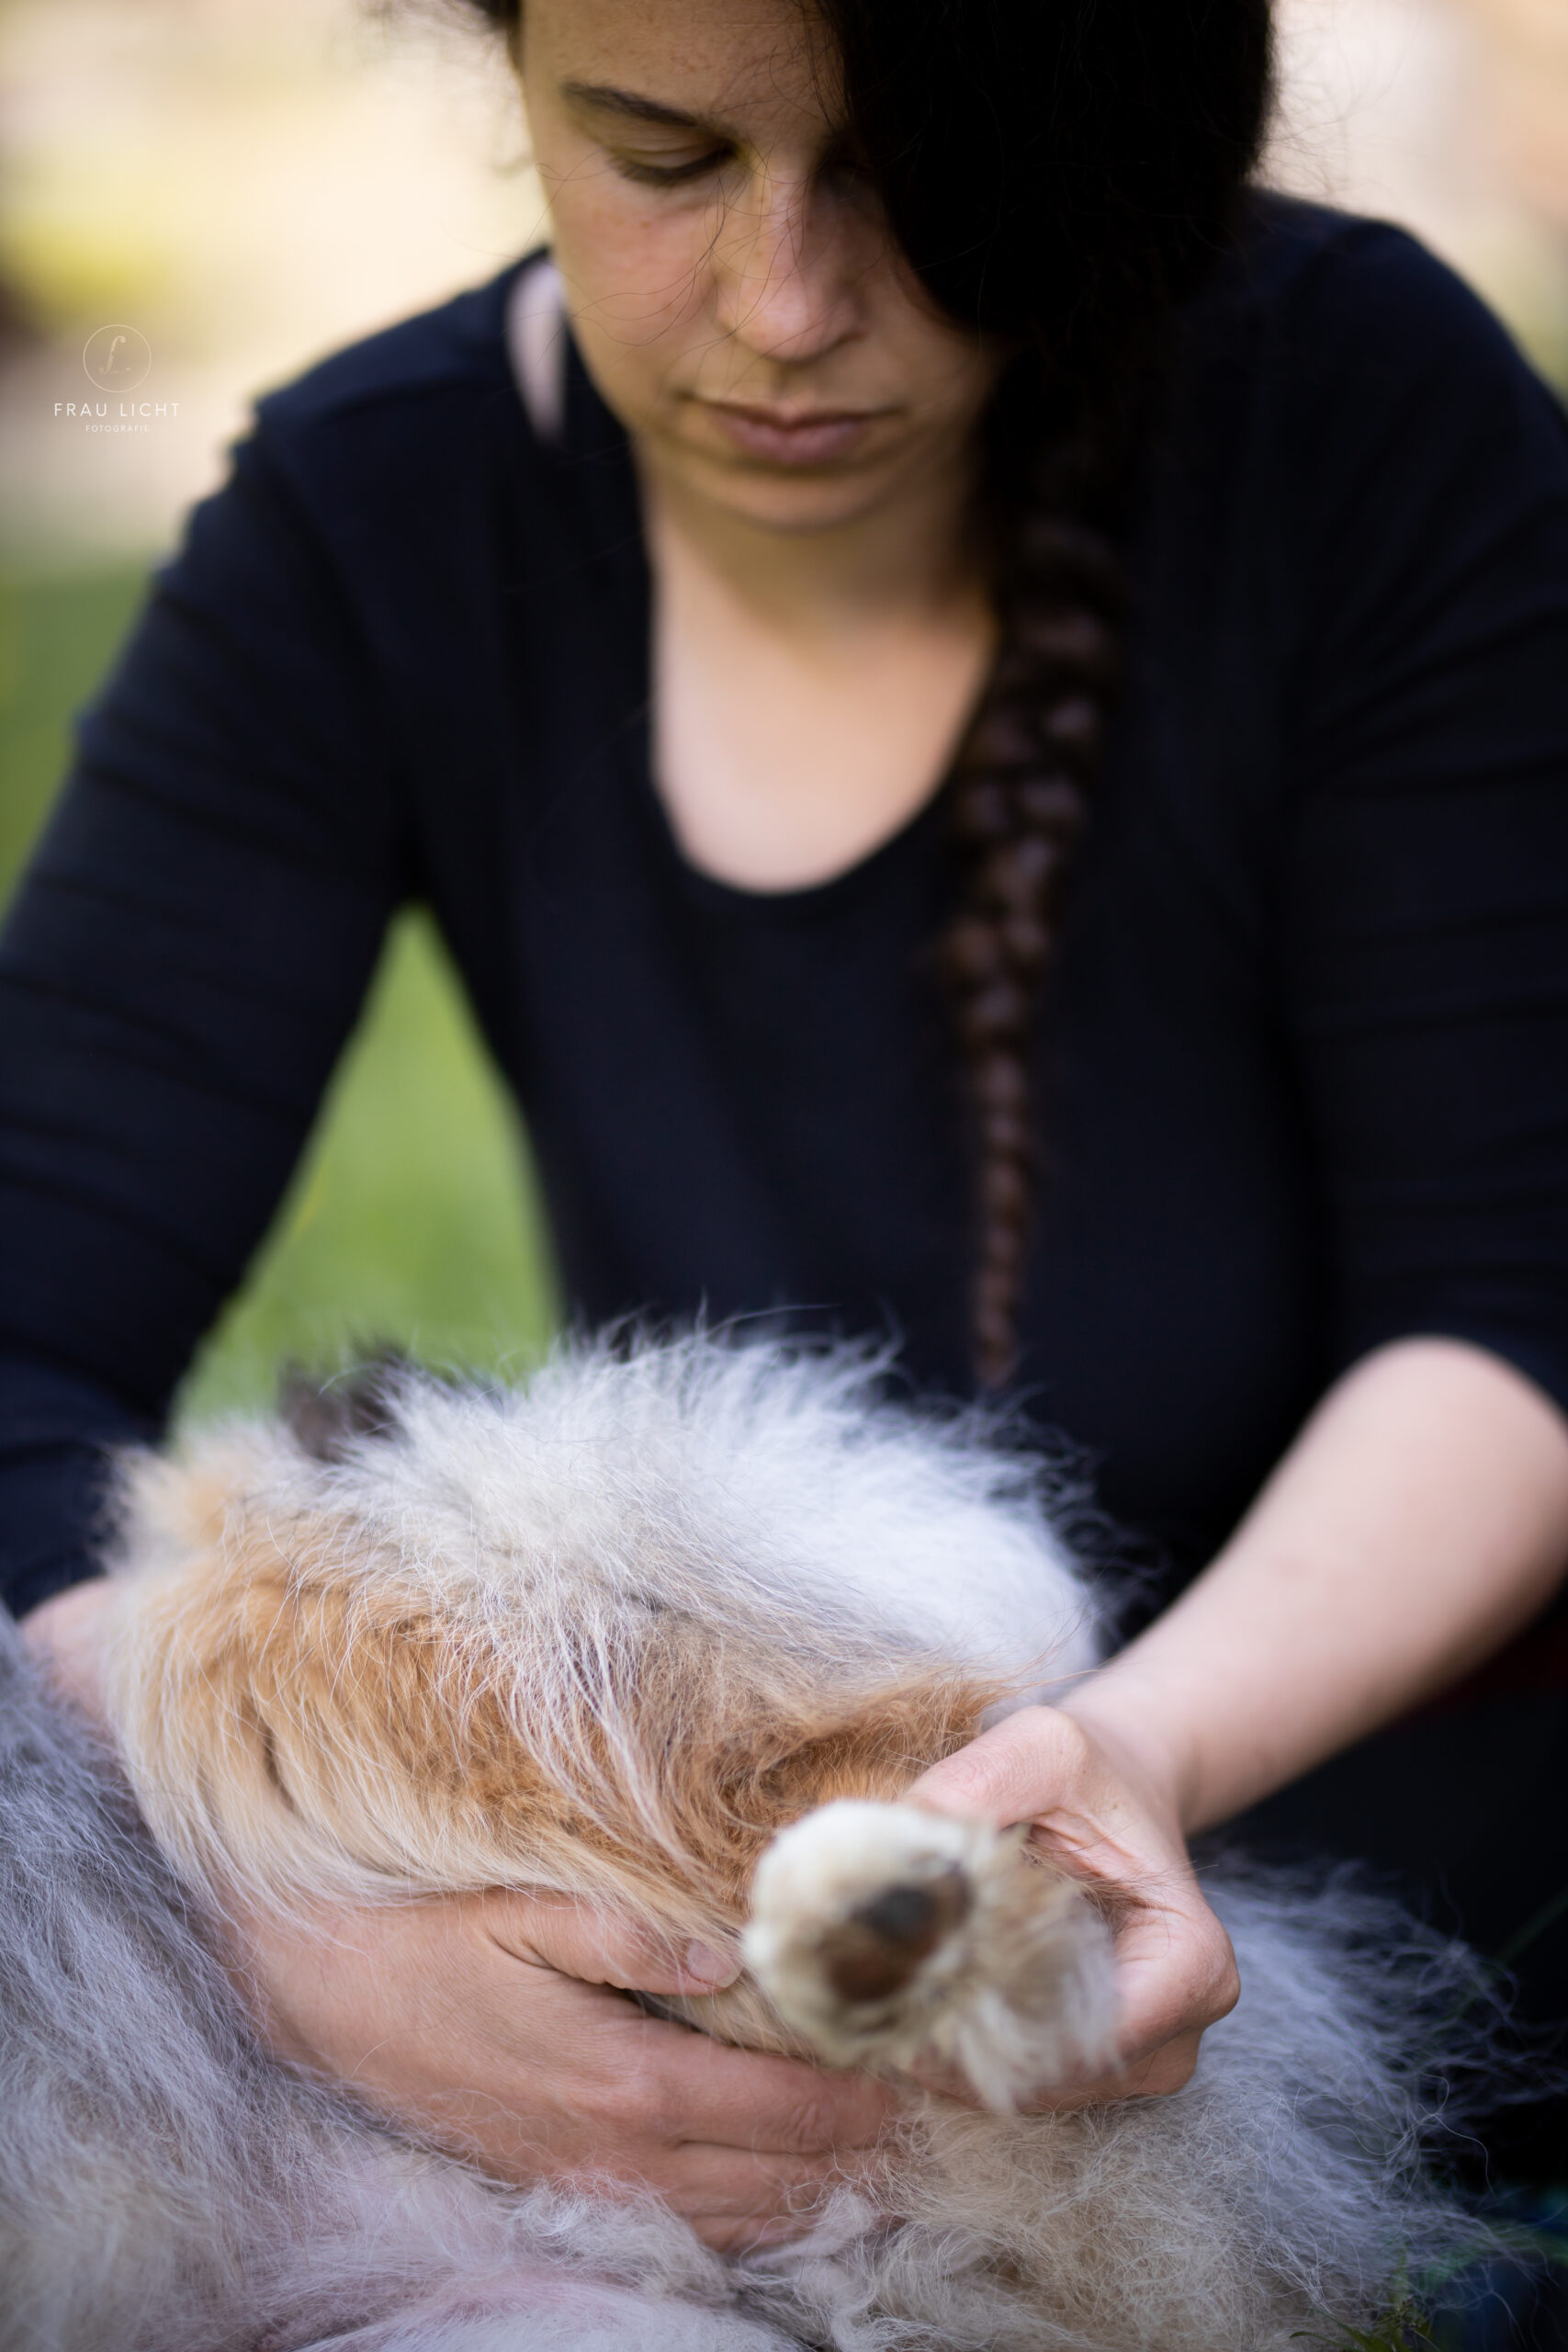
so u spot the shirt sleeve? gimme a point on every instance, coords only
(182, 964)
(1424, 897)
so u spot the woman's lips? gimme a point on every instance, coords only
(812, 438)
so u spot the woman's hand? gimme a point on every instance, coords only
(1106, 1813)
(489, 2024)
(1420, 1518)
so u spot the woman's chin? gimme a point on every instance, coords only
(782, 498)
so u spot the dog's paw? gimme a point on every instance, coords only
(891, 1936)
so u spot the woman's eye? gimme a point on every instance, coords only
(671, 174)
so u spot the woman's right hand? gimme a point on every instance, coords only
(492, 2024)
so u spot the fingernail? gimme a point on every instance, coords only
(709, 1967)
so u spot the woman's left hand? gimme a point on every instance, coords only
(1102, 1811)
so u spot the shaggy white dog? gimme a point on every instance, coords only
(613, 1633)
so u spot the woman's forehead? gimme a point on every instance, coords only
(744, 66)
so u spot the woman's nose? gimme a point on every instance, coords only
(782, 271)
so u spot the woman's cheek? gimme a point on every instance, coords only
(637, 284)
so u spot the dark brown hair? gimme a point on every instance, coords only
(1061, 173)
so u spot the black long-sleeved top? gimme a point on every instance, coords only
(1304, 1067)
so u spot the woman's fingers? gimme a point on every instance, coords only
(735, 2207)
(741, 2146)
(1015, 1771)
(449, 2016)
(749, 2144)
(1175, 1968)
(1165, 2070)
(601, 1947)
(743, 2157)
(692, 2091)
(1041, 1766)
(1176, 1977)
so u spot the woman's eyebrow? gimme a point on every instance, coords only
(610, 100)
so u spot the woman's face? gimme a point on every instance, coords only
(733, 290)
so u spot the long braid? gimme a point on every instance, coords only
(1018, 798)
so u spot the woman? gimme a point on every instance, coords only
(949, 462)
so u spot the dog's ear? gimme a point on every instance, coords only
(325, 1417)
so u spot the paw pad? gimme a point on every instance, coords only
(891, 1936)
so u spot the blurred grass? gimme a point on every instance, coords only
(413, 1217)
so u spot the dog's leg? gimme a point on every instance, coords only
(898, 1938)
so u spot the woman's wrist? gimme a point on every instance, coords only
(1129, 1713)
(1420, 1518)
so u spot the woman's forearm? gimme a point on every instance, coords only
(1420, 1518)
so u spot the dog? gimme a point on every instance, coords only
(670, 1628)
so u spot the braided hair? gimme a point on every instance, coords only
(1061, 174)
(1018, 800)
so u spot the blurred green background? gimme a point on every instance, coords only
(413, 1217)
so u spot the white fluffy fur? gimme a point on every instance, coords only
(750, 1483)
(163, 2188)
(1018, 1992)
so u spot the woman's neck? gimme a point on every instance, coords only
(911, 558)
(808, 687)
